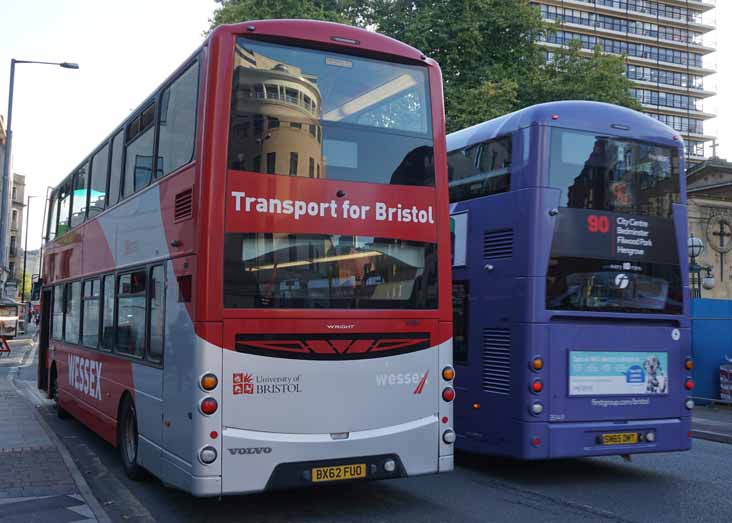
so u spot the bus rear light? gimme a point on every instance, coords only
(650, 437)
(207, 455)
(689, 364)
(209, 406)
(476, 406)
(689, 384)
(448, 394)
(555, 117)
(444, 419)
(535, 442)
(448, 373)
(389, 465)
(537, 386)
(689, 404)
(537, 364)
(209, 381)
(448, 436)
(214, 434)
(536, 408)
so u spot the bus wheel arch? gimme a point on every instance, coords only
(128, 437)
(53, 391)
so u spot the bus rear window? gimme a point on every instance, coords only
(328, 271)
(613, 174)
(319, 114)
(480, 170)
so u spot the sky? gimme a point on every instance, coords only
(125, 49)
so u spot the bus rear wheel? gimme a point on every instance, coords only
(128, 439)
(60, 411)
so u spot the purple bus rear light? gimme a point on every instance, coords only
(536, 408)
(689, 403)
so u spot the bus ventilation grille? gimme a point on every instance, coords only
(498, 245)
(496, 361)
(184, 205)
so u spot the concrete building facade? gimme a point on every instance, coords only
(15, 243)
(664, 43)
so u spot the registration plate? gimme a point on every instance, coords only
(338, 473)
(622, 438)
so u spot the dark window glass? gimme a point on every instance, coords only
(52, 215)
(131, 313)
(58, 313)
(64, 208)
(98, 186)
(588, 284)
(323, 271)
(90, 327)
(257, 164)
(480, 170)
(613, 174)
(138, 161)
(271, 162)
(73, 312)
(115, 170)
(460, 321)
(311, 168)
(178, 122)
(293, 164)
(367, 120)
(157, 313)
(78, 210)
(108, 313)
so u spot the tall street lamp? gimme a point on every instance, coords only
(4, 210)
(25, 249)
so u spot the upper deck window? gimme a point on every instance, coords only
(480, 170)
(613, 174)
(359, 119)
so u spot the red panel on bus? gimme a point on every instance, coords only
(293, 205)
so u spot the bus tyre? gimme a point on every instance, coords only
(60, 411)
(128, 440)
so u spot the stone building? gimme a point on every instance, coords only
(15, 244)
(709, 190)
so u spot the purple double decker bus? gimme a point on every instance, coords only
(570, 284)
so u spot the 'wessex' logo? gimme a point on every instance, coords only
(86, 376)
(403, 378)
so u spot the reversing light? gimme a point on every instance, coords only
(689, 403)
(536, 408)
(537, 386)
(209, 406)
(209, 381)
(689, 384)
(689, 364)
(448, 373)
(207, 455)
(448, 436)
(651, 437)
(448, 394)
(389, 465)
(537, 363)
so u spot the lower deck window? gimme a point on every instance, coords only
(328, 271)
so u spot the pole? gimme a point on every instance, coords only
(25, 249)
(44, 232)
(6, 172)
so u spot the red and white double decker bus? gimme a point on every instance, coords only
(242, 285)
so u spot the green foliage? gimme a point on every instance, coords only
(491, 63)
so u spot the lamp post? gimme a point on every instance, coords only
(696, 249)
(25, 248)
(8, 146)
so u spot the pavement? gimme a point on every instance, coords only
(39, 481)
(713, 422)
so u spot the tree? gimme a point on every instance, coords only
(487, 49)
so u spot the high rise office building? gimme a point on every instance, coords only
(664, 45)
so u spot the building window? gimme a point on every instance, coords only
(293, 164)
(271, 162)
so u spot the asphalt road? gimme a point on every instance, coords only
(691, 486)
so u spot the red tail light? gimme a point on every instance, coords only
(209, 406)
(448, 394)
(537, 386)
(689, 384)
